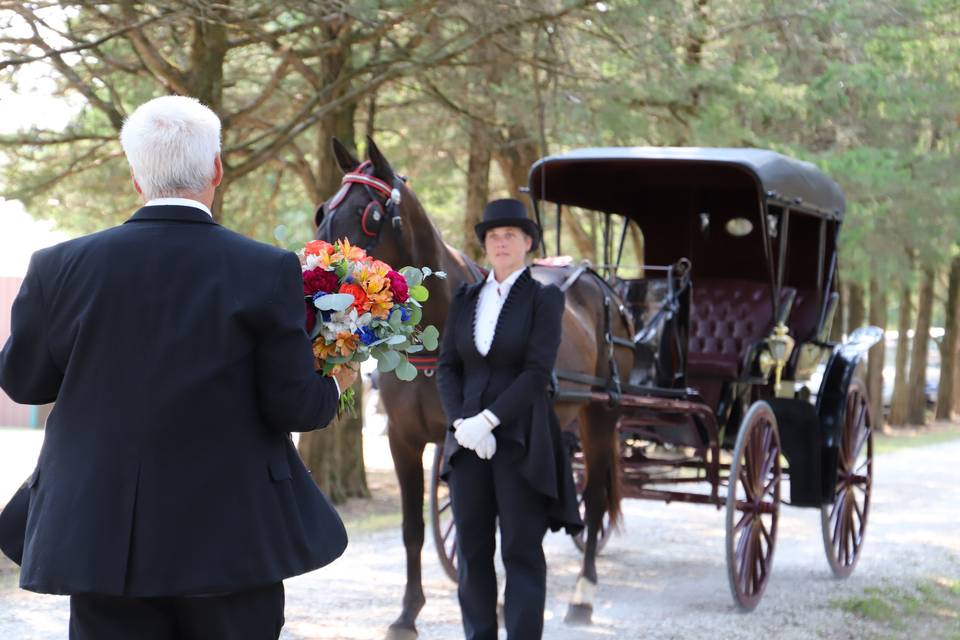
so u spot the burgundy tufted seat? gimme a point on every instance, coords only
(727, 317)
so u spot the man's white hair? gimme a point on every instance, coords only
(171, 143)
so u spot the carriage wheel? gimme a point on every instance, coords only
(441, 518)
(845, 521)
(580, 482)
(753, 505)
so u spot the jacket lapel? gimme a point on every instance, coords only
(517, 292)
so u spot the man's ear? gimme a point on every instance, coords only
(136, 185)
(217, 171)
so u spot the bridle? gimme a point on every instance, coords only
(371, 219)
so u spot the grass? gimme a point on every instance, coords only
(928, 610)
(896, 440)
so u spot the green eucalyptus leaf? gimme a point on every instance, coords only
(333, 302)
(416, 314)
(406, 371)
(389, 361)
(430, 337)
(419, 293)
(412, 275)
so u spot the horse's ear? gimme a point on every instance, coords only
(345, 159)
(381, 168)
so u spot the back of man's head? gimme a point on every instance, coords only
(171, 144)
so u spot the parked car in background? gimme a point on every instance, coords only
(932, 377)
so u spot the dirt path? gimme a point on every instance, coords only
(663, 577)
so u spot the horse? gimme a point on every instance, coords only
(376, 210)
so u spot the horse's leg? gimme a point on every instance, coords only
(599, 447)
(408, 462)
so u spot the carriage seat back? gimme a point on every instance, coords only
(728, 318)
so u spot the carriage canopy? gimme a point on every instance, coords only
(624, 179)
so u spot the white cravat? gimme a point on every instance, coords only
(492, 296)
(179, 202)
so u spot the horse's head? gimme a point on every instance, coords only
(367, 208)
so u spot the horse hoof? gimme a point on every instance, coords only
(401, 632)
(579, 614)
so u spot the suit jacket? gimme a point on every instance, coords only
(512, 381)
(175, 350)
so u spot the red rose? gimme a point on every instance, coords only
(398, 285)
(359, 296)
(319, 281)
(311, 318)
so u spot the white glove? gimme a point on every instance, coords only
(487, 447)
(472, 430)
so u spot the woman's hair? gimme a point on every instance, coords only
(171, 143)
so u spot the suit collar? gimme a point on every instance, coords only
(173, 213)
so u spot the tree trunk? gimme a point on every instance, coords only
(334, 455)
(898, 404)
(856, 307)
(478, 186)
(876, 356)
(946, 392)
(917, 406)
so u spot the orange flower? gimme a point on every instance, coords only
(318, 247)
(347, 343)
(323, 350)
(351, 253)
(360, 301)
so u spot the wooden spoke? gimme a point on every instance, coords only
(753, 502)
(844, 522)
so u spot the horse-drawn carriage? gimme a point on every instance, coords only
(729, 310)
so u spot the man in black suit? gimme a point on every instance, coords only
(169, 500)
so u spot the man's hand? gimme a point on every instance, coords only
(472, 431)
(345, 378)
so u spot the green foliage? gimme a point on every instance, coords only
(867, 91)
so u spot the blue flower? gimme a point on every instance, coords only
(404, 314)
(367, 336)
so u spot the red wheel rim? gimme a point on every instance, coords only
(753, 506)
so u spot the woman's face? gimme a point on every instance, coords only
(506, 248)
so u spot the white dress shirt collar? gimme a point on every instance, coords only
(181, 202)
(493, 295)
(507, 283)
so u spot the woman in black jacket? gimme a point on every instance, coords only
(503, 455)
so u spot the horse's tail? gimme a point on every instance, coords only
(614, 486)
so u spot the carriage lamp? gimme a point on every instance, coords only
(779, 346)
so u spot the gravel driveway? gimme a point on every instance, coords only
(663, 577)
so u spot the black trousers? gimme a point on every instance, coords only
(255, 614)
(481, 491)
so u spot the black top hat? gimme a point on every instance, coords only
(508, 212)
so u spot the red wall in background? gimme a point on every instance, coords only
(11, 413)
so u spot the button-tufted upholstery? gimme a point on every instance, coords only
(727, 317)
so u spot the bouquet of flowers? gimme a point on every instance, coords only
(359, 307)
